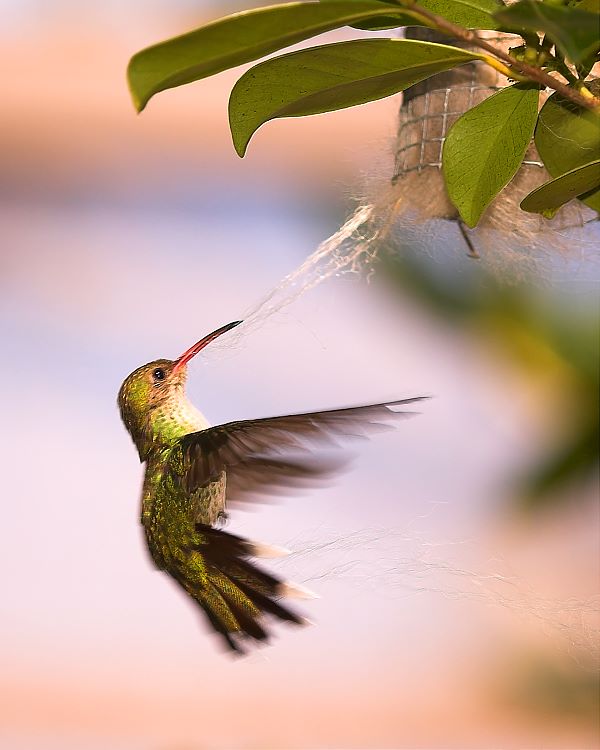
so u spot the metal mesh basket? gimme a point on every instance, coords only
(432, 107)
(428, 111)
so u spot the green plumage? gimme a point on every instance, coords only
(193, 471)
(212, 567)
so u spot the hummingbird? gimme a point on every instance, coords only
(195, 472)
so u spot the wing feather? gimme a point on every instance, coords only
(273, 456)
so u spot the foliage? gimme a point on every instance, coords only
(553, 344)
(574, 31)
(549, 687)
(567, 138)
(502, 125)
(332, 77)
(581, 181)
(484, 148)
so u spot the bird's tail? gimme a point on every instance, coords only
(236, 595)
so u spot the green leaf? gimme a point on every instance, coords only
(334, 76)
(395, 17)
(550, 196)
(485, 147)
(574, 31)
(473, 14)
(386, 22)
(574, 460)
(593, 6)
(237, 39)
(568, 136)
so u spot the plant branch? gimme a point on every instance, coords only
(562, 67)
(531, 72)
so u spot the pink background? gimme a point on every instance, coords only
(126, 238)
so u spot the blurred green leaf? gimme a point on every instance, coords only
(550, 196)
(568, 136)
(473, 14)
(334, 76)
(485, 147)
(239, 38)
(550, 686)
(574, 31)
(547, 340)
(575, 458)
(593, 6)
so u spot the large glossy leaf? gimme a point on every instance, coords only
(473, 14)
(568, 136)
(240, 38)
(550, 196)
(332, 77)
(394, 17)
(486, 146)
(575, 31)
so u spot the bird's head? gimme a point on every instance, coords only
(152, 401)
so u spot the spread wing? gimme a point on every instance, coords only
(274, 456)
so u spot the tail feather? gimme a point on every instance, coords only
(245, 612)
(235, 594)
(219, 615)
(273, 607)
(247, 573)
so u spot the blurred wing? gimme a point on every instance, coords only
(263, 457)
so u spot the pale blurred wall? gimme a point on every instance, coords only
(70, 121)
(125, 238)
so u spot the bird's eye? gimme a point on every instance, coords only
(159, 374)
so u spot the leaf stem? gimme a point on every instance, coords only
(501, 68)
(528, 72)
(585, 92)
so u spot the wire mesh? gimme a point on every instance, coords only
(432, 107)
(426, 119)
(418, 193)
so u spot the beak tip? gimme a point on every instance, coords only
(198, 346)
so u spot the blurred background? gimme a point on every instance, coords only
(457, 563)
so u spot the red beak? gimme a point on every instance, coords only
(199, 345)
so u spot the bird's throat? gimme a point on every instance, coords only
(174, 419)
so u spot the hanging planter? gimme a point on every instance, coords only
(498, 132)
(420, 192)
